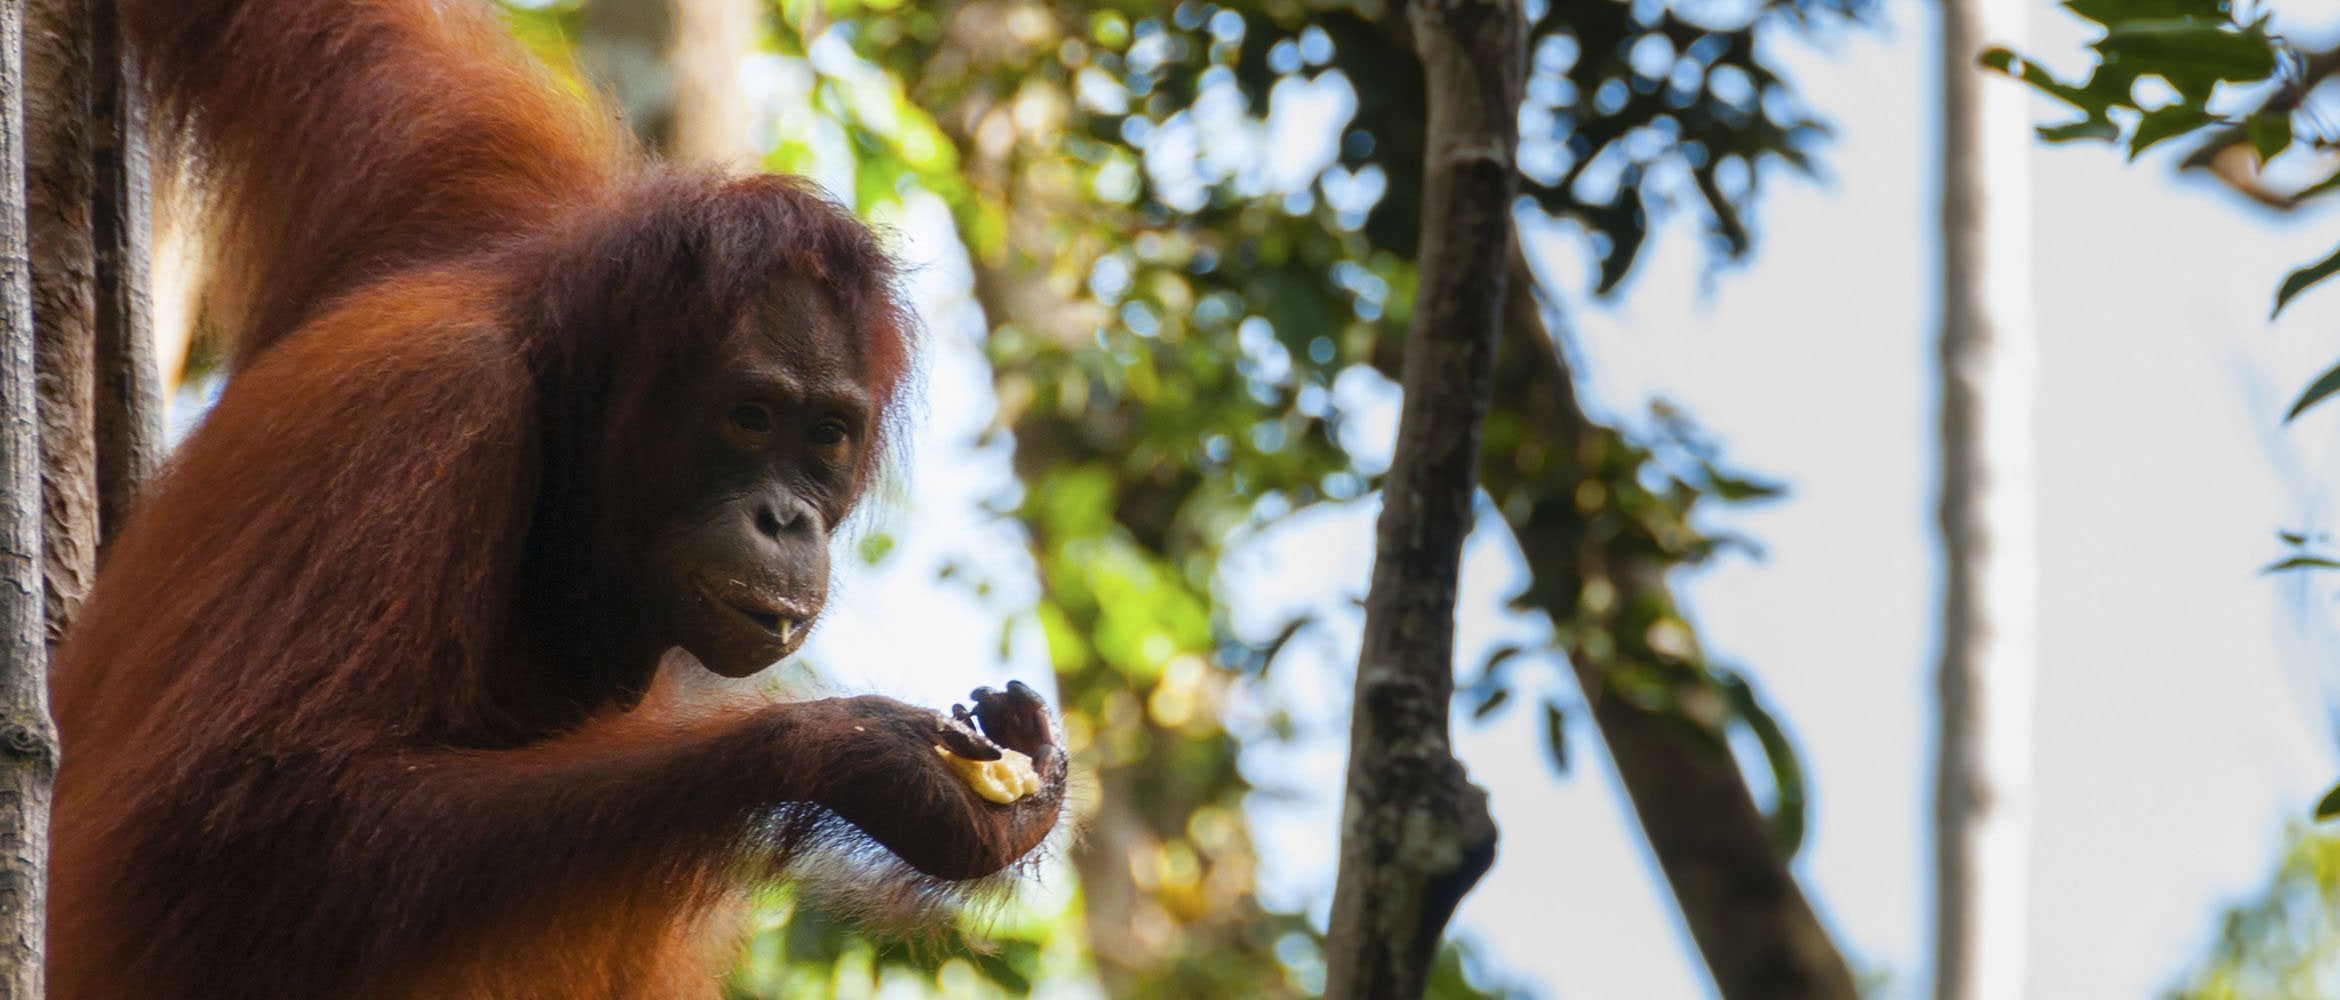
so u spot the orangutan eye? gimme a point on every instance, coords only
(755, 418)
(828, 433)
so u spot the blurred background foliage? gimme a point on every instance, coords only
(2285, 942)
(1182, 286)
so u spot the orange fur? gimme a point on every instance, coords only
(356, 707)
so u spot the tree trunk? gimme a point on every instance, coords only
(674, 67)
(712, 38)
(1415, 834)
(1757, 933)
(28, 742)
(1981, 794)
(79, 393)
(128, 390)
(59, 184)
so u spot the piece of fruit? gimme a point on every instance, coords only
(1005, 780)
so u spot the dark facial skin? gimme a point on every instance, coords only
(772, 446)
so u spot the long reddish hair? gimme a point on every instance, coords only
(458, 299)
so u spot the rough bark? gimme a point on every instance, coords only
(79, 371)
(1415, 834)
(128, 384)
(59, 182)
(1753, 926)
(28, 742)
(1985, 515)
(1736, 890)
(1757, 933)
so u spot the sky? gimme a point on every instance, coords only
(2180, 712)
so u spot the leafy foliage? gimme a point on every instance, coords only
(1599, 514)
(2195, 46)
(2171, 69)
(2285, 942)
(796, 950)
(1175, 306)
(2188, 46)
(1174, 310)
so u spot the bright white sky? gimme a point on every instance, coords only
(2179, 722)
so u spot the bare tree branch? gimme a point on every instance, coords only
(58, 186)
(28, 742)
(129, 394)
(1753, 926)
(1985, 507)
(1415, 833)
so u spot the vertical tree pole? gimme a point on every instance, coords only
(1982, 806)
(129, 391)
(673, 65)
(79, 424)
(60, 184)
(1415, 833)
(28, 743)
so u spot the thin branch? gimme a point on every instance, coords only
(28, 743)
(1415, 834)
(2229, 156)
(59, 179)
(129, 393)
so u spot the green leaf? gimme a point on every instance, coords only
(2292, 537)
(1275, 647)
(996, 967)
(2298, 281)
(2163, 123)
(1627, 227)
(1787, 773)
(2301, 562)
(2319, 188)
(2194, 55)
(2270, 134)
(2324, 385)
(2117, 11)
(1556, 736)
(1498, 658)
(1733, 488)
(1494, 700)
(2012, 64)
(2086, 128)
(2329, 806)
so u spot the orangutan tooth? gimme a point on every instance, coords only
(787, 629)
